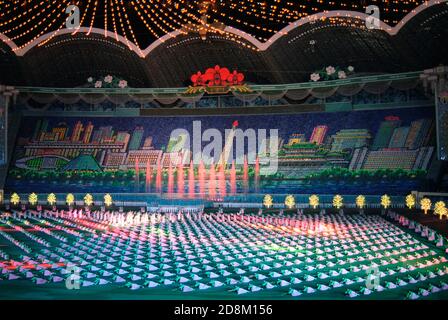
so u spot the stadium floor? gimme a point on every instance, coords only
(307, 256)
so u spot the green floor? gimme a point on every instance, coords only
(25, 289)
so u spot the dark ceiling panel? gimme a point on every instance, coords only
(69, 60)
(10, 70)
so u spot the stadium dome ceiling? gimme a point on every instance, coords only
(62, 58)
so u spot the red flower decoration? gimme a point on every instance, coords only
(217, 76)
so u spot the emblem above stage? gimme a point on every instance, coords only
(218, 80)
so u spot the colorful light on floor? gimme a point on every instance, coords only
(116, 248)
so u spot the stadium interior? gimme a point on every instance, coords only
(230, 150)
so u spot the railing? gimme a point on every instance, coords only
(257, 88)
(241, 200)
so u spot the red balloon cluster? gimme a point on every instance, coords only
(217, 76)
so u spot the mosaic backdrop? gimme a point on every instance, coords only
(370, 152)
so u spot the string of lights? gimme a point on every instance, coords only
(93, 18)
(41, 27)
(24, 21)
(114, 23)
(84, 14)
(55, 33)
